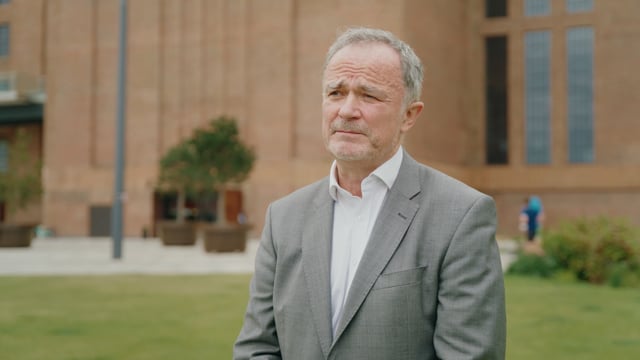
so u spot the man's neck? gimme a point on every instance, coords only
(350, 177)
(350, 174)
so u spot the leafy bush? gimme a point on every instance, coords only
(204, 163)
(533, 265)
(600, 250)
(569, 245)
(623, 275)
(21, 184)
(614, 251)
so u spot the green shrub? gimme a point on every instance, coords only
(21, 185)
(533, 265)
(569, 246)
(613, 251)
(623, 275)
(600, 250)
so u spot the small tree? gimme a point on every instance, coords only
(21, 182)
(206, 162)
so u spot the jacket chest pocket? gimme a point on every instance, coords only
(399, 278)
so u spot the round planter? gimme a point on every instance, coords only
(229, 238)
(12, 235)
(175, 234)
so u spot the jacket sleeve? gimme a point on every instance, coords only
(471, 319)
(258, 338)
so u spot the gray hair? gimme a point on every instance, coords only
(412, 70)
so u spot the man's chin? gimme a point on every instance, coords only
(350, 155)
(350, 151)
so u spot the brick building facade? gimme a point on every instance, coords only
(521, 96)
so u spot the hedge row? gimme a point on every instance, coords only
(599, 250)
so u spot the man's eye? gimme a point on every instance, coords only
(334, 93)
(369, 96)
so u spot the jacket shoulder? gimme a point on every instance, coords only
(447, 188)
(304, 196)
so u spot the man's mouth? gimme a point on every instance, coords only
(348, 132)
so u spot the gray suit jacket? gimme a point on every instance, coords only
(429, 285)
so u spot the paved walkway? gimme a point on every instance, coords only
(93, 256)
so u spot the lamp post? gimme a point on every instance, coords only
(118, 194)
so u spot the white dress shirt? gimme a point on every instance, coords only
(353, 220)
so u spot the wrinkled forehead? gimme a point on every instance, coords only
(373, 60)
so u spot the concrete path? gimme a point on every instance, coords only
(508, 252)
(93, 256)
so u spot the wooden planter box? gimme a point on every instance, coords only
(175, 234)
(229, 238)
(12, 235)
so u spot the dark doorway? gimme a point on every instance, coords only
(198, 208)
(497, 142)
(100, 219)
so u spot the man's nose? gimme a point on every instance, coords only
(350, 107)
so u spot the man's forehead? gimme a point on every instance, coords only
(362, 84)
(361, 76)
(367, 46)
(369, 52)
(360, 57)
(373, 58)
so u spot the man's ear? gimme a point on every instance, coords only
(411, 115)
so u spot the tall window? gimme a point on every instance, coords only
(537, 7)
(495, 8)
(580, 94)
(4, 40)
(4, 156)
(537, 47)
(5, 83)
(574, 6)
(496, 100)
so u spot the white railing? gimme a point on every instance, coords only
(17, 87)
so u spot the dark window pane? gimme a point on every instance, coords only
(4, 156)
(495, 8)
(496, 100)
(4, 40)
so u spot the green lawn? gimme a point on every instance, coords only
(120, 317)
(198, 317)
(552, 319)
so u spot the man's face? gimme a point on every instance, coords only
(362, 108)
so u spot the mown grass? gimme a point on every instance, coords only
(120, 317)
(198, 317)
(561, 319)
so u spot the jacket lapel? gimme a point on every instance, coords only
(316, 259)
(395, 216)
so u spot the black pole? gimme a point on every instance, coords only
(118, 194)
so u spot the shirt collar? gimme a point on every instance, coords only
(387, 172)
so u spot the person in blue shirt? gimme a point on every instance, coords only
(532, 215)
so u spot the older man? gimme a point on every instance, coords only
(385, 258)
